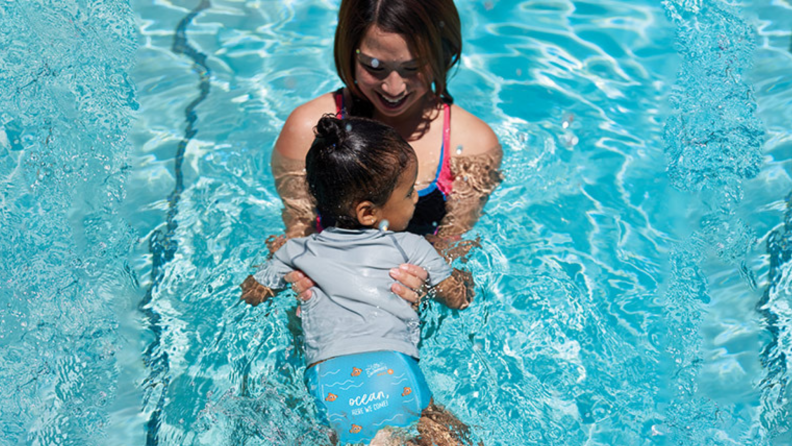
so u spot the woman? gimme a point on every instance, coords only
(393, 57)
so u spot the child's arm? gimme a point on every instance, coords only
(453, 247)
(269, 279)
(457, 291)
(255, 293)
(452, 287)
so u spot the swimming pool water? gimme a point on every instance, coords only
(634, 274)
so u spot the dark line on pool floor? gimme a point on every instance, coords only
(162, 244)
(774, 354)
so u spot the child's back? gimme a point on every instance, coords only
(352, 309)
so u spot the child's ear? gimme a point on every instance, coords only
(367, 213)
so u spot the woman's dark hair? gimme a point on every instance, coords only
(431, 28)
(350, 161)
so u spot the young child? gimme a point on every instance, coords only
(360, 338)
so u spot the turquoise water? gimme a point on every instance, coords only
(634, 275)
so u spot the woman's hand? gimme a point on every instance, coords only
(301, 284)
(411, 282)
(253, 292)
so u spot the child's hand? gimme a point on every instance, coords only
(274, 242)
(253, 292)
(469, 286)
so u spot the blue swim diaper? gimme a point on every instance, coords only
(357, 395)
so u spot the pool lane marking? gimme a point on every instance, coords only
(162, 245)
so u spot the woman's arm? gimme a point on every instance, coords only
(476, 171)
(288, 165)
(298, 209)
(288, 169)
(475, 178)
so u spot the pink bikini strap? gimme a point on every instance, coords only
(339, 100)
(445, 180)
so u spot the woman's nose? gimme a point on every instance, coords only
(394, 84)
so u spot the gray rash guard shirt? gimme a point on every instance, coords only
(352, 309)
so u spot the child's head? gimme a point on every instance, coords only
(361, 172)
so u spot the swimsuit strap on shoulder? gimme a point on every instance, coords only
(445, 179)
(339, 100)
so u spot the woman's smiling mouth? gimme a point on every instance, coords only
(391, 102)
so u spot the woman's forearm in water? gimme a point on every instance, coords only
(475, 178)
(298, 209)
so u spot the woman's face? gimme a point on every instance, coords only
(389, 75)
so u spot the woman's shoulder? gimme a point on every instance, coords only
(297, 134)
(474, 135)
(305, 116)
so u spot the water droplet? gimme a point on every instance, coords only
(348, 127)
(568, 120)
(383, 225)
(375, 63)
(459, 149)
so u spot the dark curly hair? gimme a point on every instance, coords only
(350, 161)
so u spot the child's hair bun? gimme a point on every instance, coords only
(331, 130)
(350, 161)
